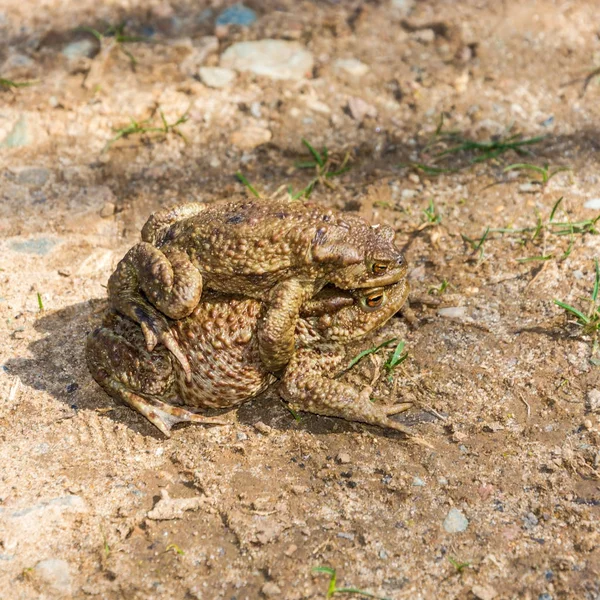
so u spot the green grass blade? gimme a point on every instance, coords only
(532, 258)
(596, 282)
(554, 208)
(368, 351)
(585, 319)
(244, 181)
(314, 153)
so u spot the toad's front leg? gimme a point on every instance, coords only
(276, 328)
(169, 281)
(307, 387)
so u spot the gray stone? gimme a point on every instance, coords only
(54, 572)
(277, 59)
(418, 482)
(238, 14)
(593, 400)
(39, 246)
(85, 48)
(455, 521)
(19, 136)
(216, 77)
(530, 521)
(33, 176)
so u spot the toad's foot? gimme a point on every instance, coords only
(160, 414)
(308, 390)
(163, 415)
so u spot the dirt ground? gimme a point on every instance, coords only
(94, 502)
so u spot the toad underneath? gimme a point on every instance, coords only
(221, 344)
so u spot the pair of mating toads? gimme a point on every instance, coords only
(220, 300)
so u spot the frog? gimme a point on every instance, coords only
(280, 252)
(220, 341)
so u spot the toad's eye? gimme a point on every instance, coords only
(379, 268)
(374, 300)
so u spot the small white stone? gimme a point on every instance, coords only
(593, 203)
(277, 59)
(455, 521)
(408, 194)
(216, 77)
(350, 67)
(453, 312)
(593, 400)
(54, 573)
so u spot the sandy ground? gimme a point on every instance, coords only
(94, 502)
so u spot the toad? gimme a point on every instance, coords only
(279, 252)
(220, 342)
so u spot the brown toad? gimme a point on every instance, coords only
(280, 252)
(219, 339)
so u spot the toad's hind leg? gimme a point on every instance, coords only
(120, 364)
(160, 414)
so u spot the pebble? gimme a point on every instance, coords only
(85, 48)
(425, 36)
(108, 210)
(168, 508)
(238, 14)
(277, 59)
(453, 312)
(408, 194)
(418, 482)
(19, 136)
(33, 176)
(251, 137)
(359, 109)
(529, 188)
(593, 400)
(290, 550)
(484, 592)
(216, 77)
(343, 458)
(455, 521)
(350, 67)
(270, 590)
(54, 572)
(39, 246)
(383, 555)
(262, 428)
(241, 436)
(545, 596)
(442, 481)
(593, 203)
(530, 521)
